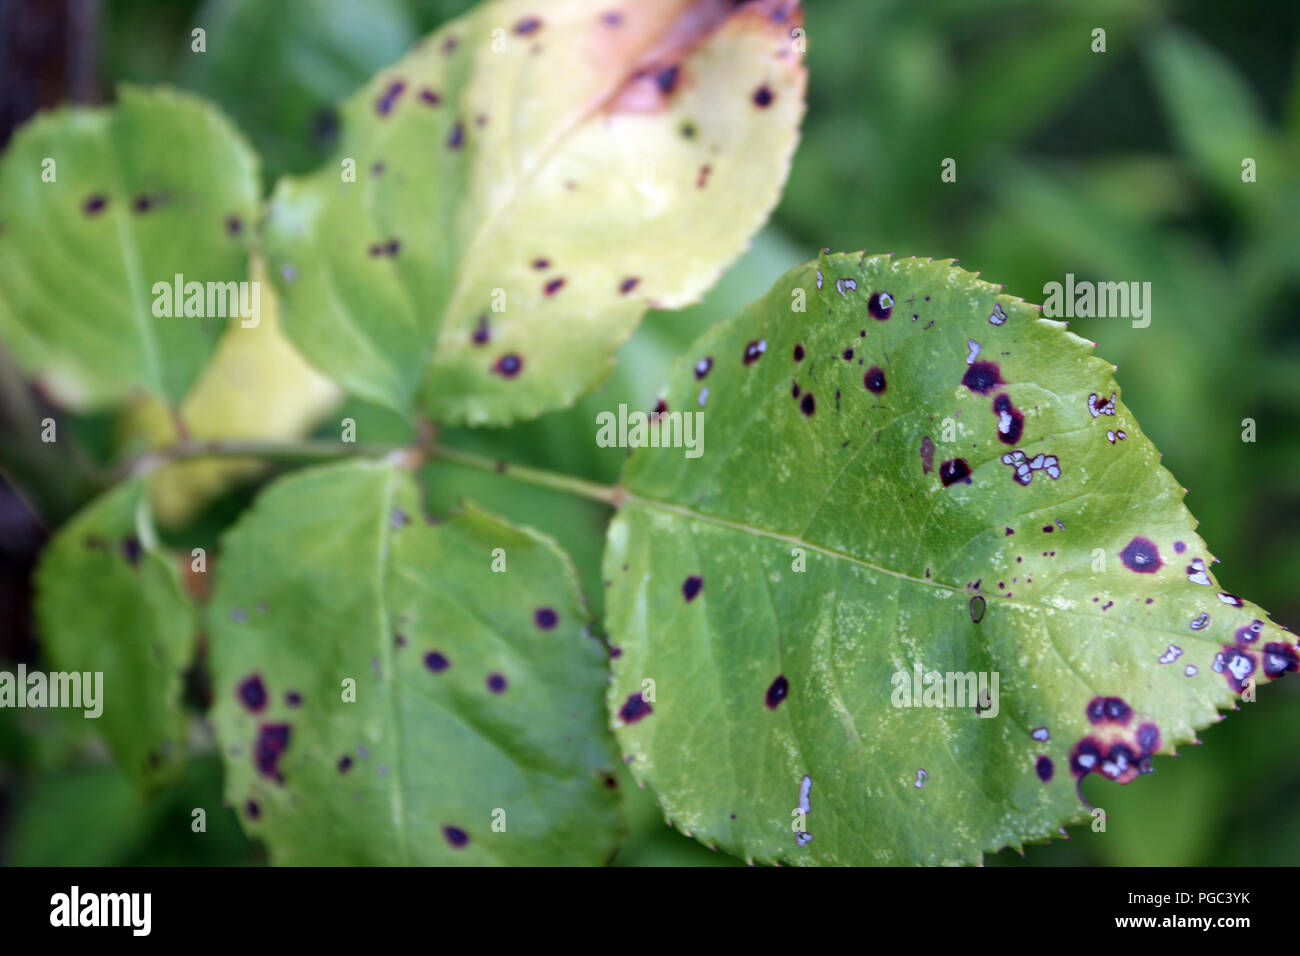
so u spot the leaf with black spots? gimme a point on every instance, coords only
(527, 183)
(156, 186)
(382, 695)
(831, 565)
(110, 602)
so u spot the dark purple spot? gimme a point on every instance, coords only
(777, 692)
(1043, 767)
(880, 305)
(293, 699)
(703, 366)
(611, 18)
(927, 455)
(692, 586)
(252, 809)
(954, 470)
(388, 100)
(436, 661)
(482, 333)
(143, 203)
(1280, 658)
(345, 764)
(554, 286)
(982, 377)
(272, 742)
(808, 405)
(1249, 633)
(95, 204)
(1011, 531)
(1148, 739)
(874, 380)
(977, 607)
(1179, 547)
(754, 351)
(429, 97)
(1110, 709)
(252, 692)
(457, 837)
(666, 79)
(798, 353)
(763, 97)
(234, 225)
(527, 26)
(131, 549)
(628, 284)
(1141, 555)
(496, 683)
(1011, 423)
(541, 264)
(795, 390)
(1085, 756)
(1236, 666)
(634, 708)
(457, 136)
(508, 366)
(545, 618)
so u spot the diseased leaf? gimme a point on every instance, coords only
(917, 473)
(157, 186)
(475, 733)
(527, 182)
(109, 601)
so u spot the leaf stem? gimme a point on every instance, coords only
(325, 449)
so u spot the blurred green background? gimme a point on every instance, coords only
(1121, 166)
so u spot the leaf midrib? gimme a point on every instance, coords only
(685, 512)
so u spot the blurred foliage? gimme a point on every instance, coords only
(1115, 166)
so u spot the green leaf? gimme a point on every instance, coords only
(159, 185)
(817, 542)
(524, 190)
(333, 581)
(109, 601)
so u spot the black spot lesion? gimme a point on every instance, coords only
(388, 99)
(509, 365)
(634, 708)
(982, 377)
(1141, 555)
(954, 470)
(272, 742)
(777, 692)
